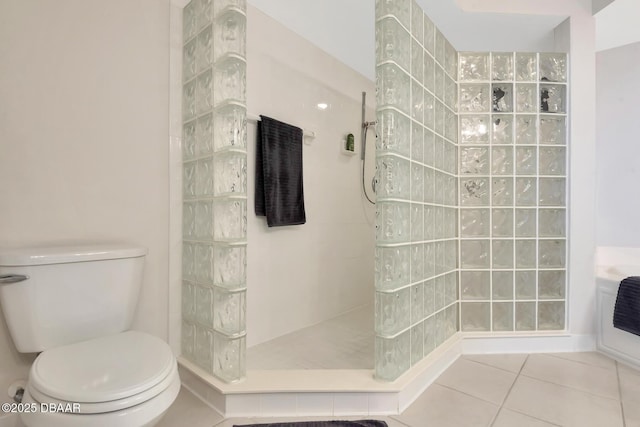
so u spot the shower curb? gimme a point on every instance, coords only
(276, 393)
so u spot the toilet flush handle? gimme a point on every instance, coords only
(6, 279)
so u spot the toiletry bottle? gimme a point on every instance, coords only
(350, 143)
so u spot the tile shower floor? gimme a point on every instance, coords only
(513, 390)
(344, 342)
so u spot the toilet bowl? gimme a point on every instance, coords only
(126, 379)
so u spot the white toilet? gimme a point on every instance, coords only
(75, 304)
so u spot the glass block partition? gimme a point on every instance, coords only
(416, 304)
(513, 175)
(214, 186)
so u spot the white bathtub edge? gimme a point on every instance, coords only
(617, 255)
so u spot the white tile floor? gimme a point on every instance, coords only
(347, 343)
(537, 390)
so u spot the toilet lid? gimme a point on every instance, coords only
(103, 369)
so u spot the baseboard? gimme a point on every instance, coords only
(620, 357)
(196, 384)
(429, 369)
(561, 342)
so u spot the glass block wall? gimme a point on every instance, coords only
(512, 191)
(214, 186)
(416, 300)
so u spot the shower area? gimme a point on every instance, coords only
(467, 232)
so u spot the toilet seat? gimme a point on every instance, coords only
(104, 374)
(113, 405)
(146, 414)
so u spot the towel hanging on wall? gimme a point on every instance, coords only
(279, 187)
(626, 315)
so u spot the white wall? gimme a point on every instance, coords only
(175, 176)
(84, 136)
(345, 29)
(617, 24)
(598, 5)
(300, 275)
(618, 150)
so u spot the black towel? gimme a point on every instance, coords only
(626, 315)
(279, 190)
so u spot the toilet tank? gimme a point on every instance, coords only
(69, 293)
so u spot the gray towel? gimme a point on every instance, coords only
(279, 189)
(626, 314)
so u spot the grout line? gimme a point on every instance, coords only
(393, 417)
(565, 385)
(467, 394)
(600, 396)
(577, 361)
(526, 359)
(465, 356)
(495, 417)
(535, 418)
(510, 389)
(624, 420)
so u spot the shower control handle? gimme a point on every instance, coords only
(6, 279)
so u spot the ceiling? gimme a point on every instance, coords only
(345, 29)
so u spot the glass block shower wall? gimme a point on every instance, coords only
(214, 186)
(513, 191)
(416, 304)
